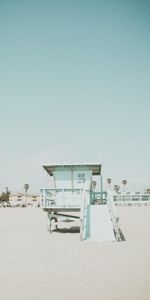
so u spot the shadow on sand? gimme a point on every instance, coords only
(76, 229)
(73, 229)
(122, 238)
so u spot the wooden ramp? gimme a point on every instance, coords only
(100, 228)
(98, 224)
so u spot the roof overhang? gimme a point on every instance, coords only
(96, 168)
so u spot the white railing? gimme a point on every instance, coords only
(132, 199)
(63, 198)
(83, 220)
(113, 214)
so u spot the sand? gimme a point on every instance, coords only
(35, 265)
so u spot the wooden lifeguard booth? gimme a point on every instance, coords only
(74, 190)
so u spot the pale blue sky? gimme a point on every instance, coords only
(75, 78)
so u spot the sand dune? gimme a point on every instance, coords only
(35, 265)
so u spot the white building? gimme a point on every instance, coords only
(22, 198)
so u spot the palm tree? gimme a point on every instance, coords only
(116, 188)
(26, 187)
(109, 180)
(124, 182)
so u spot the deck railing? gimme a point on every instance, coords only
(60, 198)
(98, 197)
(69, 197)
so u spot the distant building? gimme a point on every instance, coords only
(24, 199)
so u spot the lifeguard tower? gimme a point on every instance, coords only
(75, 190)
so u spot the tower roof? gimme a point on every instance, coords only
(96, 168)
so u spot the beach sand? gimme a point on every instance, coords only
(35, 265)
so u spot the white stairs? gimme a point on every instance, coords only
(99, 222)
